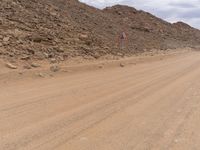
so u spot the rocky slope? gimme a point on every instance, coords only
(62, 29)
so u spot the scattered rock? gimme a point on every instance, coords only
(46, 55)
(6, 39)
(27, 67)
(25, 58)
(101, 66)
(11, 66)
(53, 60)
(83, 37)
(38, 39)
(120, 54)
(61, 58)
(122, 65)
(55, 68)
(34, 65)
(41, 75)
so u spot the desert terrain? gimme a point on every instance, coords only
(66, 84)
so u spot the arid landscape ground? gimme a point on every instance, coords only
(65, 84)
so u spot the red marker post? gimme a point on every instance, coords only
(122, 40)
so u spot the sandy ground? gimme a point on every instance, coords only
(153, 105)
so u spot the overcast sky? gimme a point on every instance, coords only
(171, 10)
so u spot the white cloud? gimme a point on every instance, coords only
(170, 10)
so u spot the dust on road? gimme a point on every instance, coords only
(152, 105)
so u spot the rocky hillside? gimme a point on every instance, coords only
(62, 29)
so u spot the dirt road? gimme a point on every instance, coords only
(150, 106)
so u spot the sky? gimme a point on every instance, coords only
(170, 10)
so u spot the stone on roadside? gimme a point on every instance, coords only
(11, 66)
(54, 68)
(34, 65)
(25, 57)
(41, 75)
(53, 60)
(122, 65)
(61, 58)
(27, 67)
(101, 66)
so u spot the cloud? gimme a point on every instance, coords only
(178, 10)
(182, 5)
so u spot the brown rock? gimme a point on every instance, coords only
(55, 68)
(27, 67)
(53, 60)
(122, 65)
(6, 39)
(11, 66)
(41, 75)
(83, 37)
(101, 66)
(25, 58)
(34, 65)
